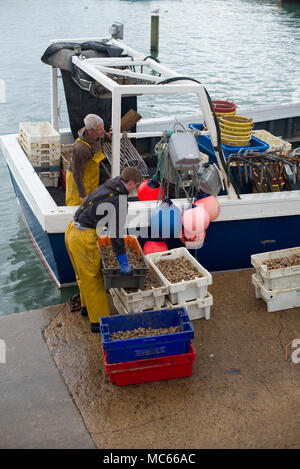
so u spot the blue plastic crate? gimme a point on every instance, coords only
(119, 351)
(205, 145)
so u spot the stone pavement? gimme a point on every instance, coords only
(243, 392)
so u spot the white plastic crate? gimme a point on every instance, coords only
(276, 279)
(39, 135)
(196, 309)
(117, 301)
(40, 159)
(275, 143)
(199, 308)
(141, 300)
(121, 308)
(276, 300)
(187, 289)
(49, 179)
(41, 143)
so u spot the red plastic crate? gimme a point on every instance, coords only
(151, 369)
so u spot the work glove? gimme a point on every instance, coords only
(125, 266)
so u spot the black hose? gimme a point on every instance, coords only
(170, 80)
(151, 57)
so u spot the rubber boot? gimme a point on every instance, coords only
(95, 327)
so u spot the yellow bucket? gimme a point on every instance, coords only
(220, 114)
(236, 132)
(231, 142)
(239, 122)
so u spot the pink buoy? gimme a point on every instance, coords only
(195, 242)
(211, 205)
(154, 246)
(195, 220)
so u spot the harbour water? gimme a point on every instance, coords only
(248, 50)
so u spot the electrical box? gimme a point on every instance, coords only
(184, 152)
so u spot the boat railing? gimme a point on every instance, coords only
(106, 72)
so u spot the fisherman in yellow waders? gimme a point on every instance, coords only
(105, 206)
(83, 169)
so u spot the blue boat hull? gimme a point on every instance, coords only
(228, 244)
(50, 246)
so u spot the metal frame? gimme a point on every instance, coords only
(97, 69)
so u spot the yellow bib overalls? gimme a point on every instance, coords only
(90, 177)
(85, 258)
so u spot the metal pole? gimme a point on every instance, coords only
(116, 125)
(154, 32)
(54, 98)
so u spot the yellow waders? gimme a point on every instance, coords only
(90, 177)
(85, 258)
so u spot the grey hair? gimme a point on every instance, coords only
(91, 120)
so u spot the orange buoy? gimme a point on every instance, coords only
(154, 246)
(149, 190)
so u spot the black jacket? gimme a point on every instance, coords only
(101, 206)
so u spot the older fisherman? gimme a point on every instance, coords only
(83, 169)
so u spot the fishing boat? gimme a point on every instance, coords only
(106, 77)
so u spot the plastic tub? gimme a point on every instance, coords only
(231, 140)
(232, 130)
(199, 308)
(220, 114)
(276, 279)
(196, 309)
(141, 300)
(188, 289)
(39, 136)
(150, 346)
(122, 309)
(237, 132)
(152, 369)
(277, 300)
(205, 145)
(112, 276)
(224, 107)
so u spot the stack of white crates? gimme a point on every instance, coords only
(41, 143)
(279, 288)
(191, 294)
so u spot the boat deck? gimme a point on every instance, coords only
(243, 392)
